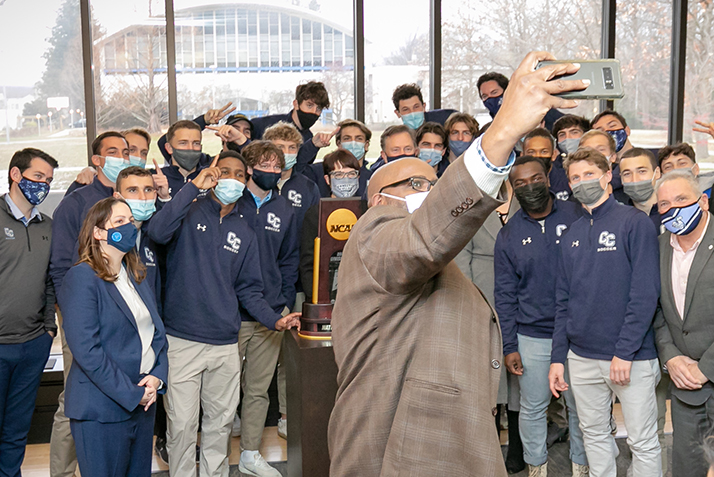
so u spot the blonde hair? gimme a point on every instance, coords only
(283, 131)
(596, 132)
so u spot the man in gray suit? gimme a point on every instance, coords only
(417, 347)
(684, 327)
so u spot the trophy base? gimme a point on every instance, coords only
(315, 322)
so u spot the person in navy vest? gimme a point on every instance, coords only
(113, 328)
(607, 292)
(525, 263)
(409, 106)
(311, 99)
(271, 216)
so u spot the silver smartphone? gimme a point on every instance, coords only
(605, 79)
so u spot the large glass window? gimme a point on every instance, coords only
(41, 87)
(396, 52)
(699, 92)
(480, 36)
(644, 42)
(269, 51)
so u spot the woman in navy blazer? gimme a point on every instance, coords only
(117, 338)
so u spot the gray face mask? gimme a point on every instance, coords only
(588, 192)
(186, 158)
(345, 187)
(639, 191)
(569, 146)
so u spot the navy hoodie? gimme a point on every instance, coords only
(526, 265)
(66, 224)
(213, 266)
(307, 152)
(608, 286)
(278, 244)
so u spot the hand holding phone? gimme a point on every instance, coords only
(605, 79)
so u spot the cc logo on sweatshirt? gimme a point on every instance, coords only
(273, 222)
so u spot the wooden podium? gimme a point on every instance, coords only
(311, 389)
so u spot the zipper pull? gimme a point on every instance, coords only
(591, 222)
(542, 227)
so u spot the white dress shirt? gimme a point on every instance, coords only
(142, 317)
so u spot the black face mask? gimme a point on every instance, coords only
(266, 180)
(533, 198)
(306, 119)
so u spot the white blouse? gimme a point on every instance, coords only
(142, 317)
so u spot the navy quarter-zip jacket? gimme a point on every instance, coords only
(526, 266)
(278, 243)
(302, 193)
(213, 265)
(66, 224)
(608, 286)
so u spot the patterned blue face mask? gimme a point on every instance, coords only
(620, 137)
(34, 192)
(493, 105)
(413, 120)
(356, 148)
(682, 220)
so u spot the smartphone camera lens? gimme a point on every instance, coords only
(607, 78)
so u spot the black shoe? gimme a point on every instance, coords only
(556, 434)
(514, 457)
(198, 453)
(160, 449)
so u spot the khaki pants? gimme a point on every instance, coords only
(201, 376)
(282, 380)
(63, 456)
(661, 393)
(260, 347)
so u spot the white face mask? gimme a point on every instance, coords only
(413, 201)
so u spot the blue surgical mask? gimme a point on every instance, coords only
(34, 192)
(141, 209)
(430, 156)
(493, 105)
(123, 238)
(290, 161)
(620, 137)
(137, 161)
(113, 166)
(682, 220)
(228, 190)
(413, 120)
(356, 148)
(459, 147)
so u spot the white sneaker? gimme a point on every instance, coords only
(236, 426)
(538, 470)
(252, 463)
(283, 428)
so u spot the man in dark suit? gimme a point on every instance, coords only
(418, 348)
(684, 328)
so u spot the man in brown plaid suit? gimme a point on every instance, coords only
(417, 346)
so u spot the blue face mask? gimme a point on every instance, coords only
(290, 161)
(413, 120)
(123, 238)
(620, 137)
(141, 209)
(113, 166)
(459, 147)
(34, 192)
(682, 220)
(430, 156)
(228, 191)
(137, 161)
(493, 105)
(356, 148)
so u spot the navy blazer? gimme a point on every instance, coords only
(102, 334)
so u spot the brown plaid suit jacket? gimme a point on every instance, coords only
(417, 346)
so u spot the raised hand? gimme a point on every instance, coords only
(229, 134)
(208, 177)
(161, 182)
(212, 116)
(322, 139)
(529, 96)
(707, 128)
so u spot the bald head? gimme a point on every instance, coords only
(394, 172)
